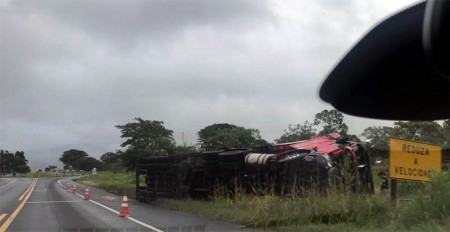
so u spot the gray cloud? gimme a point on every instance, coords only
(130, 20)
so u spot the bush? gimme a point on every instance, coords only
(431, 205)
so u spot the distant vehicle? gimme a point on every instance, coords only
(283, 168)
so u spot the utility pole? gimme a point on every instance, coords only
(182, 138)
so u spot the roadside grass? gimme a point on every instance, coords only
(431, 206)
(113, 182)
(339, 211)
(420, 207)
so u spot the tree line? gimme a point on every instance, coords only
(13, 162)
(151, 138)
(79, 160)
(424, 131)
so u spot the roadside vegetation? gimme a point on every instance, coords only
(420, 206)
(113, 182)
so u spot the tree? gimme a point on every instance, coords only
(7, 161)
(424, 131)
(331, 121)
(112, 161)
(21, 162)
(185, 149)
(206, 133)
(20, 155)
(421, 131)
(446, 127)
(111, 157)
(144, 133)
(446, 133)
(353, 137)
(226, 135)
(144, 138)
(378, 140)
(73, 158)
(13, 162)
(89, 163)
(297, 132)
(79, 160)
(161, 146)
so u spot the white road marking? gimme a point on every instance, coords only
(7, 184)
(117, 212)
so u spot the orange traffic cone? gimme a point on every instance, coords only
(86, 195)
(124, 209)
(74, 189)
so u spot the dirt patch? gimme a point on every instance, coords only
(108, 198)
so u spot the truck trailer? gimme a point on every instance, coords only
(319, 164)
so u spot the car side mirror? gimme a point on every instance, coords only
(398, 70)
(436, 35)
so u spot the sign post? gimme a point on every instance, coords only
(410, 160)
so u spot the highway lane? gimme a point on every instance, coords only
(51, 207)
(165, 219)
(10, 190)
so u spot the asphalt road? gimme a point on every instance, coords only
(46, 204)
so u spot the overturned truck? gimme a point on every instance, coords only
(284, 169)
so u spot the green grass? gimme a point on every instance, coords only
(291, 213)
(114, 182)
(426, 207)
(431, 206)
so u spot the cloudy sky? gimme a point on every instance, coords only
(72, 70)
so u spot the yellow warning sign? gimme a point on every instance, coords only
(410, 160)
